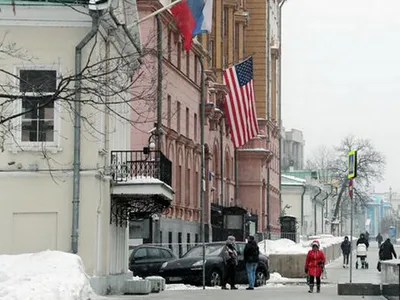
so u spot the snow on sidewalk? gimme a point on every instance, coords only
(47, 275)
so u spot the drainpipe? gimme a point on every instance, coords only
(322, 212)
(77, 129)
(280, 96)
(315, 210)
(268, 116)
(202, 167)
(302, 208)
(221, 163)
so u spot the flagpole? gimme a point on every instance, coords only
(158, 11)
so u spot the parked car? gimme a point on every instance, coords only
(189, 268)
(146, 260)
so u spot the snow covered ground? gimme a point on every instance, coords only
(286, 246)
(47, 275)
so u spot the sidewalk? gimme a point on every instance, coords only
(336, 273)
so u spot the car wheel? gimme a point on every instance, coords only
(261, 278)
(214, 279)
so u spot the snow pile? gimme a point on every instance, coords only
(47, 275)
(282, 246)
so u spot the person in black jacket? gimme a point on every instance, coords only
(379, 239)
(386, 251)
(251, 257)
(345, 246)
(363, 240)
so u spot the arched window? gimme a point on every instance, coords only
(188, 177)
(178, 185)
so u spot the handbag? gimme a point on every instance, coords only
(378, 266)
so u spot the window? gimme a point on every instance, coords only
(166, 254)
(195, 63)
(140, 254)
(187, 121)
(154, 253)
(180, 244)
(236, 43)
(169, 45)
(178, 116)
(179, 45)
(188, 241)
(170, 239)
(37, 88)
(188, 64)
(196, 239)
(169, 113)
(195, 127)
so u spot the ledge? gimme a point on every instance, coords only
(359, 289)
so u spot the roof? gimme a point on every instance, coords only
(292, 180)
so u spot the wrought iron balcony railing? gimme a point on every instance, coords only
(140, 165)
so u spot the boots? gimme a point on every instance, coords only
(318, 288)
(311, 288)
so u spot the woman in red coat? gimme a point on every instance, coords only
(314, 267)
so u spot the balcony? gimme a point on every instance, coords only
(141, 182)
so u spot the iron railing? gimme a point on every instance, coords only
(136, 164)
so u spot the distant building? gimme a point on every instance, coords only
(292, 149)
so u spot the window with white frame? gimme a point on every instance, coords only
(37, 88)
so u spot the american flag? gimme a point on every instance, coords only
(240, 102)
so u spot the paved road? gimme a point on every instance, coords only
(282, 293)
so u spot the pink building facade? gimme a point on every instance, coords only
(237, 200)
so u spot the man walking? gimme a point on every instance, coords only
(230, 263)
(251, 257)
(379, 239)
(386, 251)
(345, 246)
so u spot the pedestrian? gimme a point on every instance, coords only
(362, 240)
(386, 251)
(367, 236)
(314, 266)
(251, 257)
(379, 239)
(230, 262)
(346, 246)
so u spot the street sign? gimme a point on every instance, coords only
(352, 158)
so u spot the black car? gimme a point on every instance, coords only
(146, 260)
(189, 268)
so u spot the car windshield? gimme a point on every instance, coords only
(211, 250)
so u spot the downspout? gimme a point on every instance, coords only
(280, 97)
(315, 210)
(77, 130)
(268, 117)
(302, 208)
(202, 166)
(221, 163)
(322, 211)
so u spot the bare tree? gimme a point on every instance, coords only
(119, 81)
(334, 163)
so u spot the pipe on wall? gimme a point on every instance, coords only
(302, 208)
(77, 130)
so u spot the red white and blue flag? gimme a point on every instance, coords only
(240, 103)
(192, 17)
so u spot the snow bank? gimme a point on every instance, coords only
(282, 246)
(47, 275)
(286, 246)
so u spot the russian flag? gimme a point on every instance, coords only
(193, 17)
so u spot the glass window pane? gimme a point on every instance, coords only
(154, 253)
(29, 131)
(46, 131)
(166, 254)
(140, 254)
(38, 81)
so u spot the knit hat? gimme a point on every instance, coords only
(315, 243)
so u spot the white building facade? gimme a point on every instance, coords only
(58, 182)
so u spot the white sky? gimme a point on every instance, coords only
(340, 61)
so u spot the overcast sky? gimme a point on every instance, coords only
(340, 64)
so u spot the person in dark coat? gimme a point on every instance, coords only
(230, 262)
(367, 236)
(363, 240)
(386, 251)
(346, 246)
(251, 257)
(379, 239)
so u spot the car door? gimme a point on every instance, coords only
(139, 262)
(156, 259)
(241, 273)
